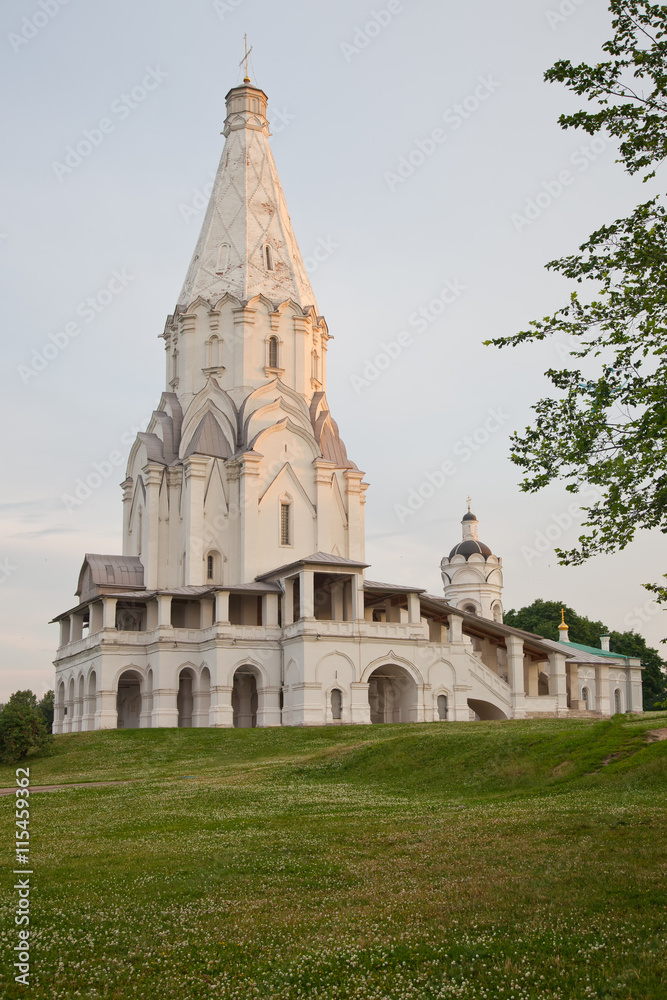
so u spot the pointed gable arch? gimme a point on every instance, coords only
(287, 480)
(214, 400)
(285, 425)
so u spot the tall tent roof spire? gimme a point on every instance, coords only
(247, 245)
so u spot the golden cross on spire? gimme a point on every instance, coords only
(246, 78)
(469, 502)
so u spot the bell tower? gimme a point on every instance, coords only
(472, 576)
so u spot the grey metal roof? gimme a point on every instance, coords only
(110, 571)
(374, 585)
(319, 559)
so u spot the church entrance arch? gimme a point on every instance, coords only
(245, 698)
(392, 694)
(128, 700)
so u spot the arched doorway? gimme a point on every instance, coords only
(128, 700)
(392, 694)
(185, 698)
(442, 707)
(586, 698)
(244, 698)
(336, 704)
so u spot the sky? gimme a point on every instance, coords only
(428, 183)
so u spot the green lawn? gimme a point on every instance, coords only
(471, 860)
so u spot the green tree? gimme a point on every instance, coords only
(610, 430)
(543, 618)
(22, 727)
(46, 710)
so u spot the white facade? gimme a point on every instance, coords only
(240, 597)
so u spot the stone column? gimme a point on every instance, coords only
(357, 597)
(165, 709)
(106, 716)
(64, 631)
(270, 610)
(152, 476)
(164, 610)
(288, 602)
(269, 713)
(109, 612)
(96, 618)
(558, 681)
(222, 713)
(575, 703)
(634, 688)
(206, 612)
(75, 627)
(325, 504)
(354, 497)
(455, 628)
(360, 709)
(514, 646)
(414, 609)
(249, 505)
(307, 593)
(222, 607)
(196, 468)
(602, 702)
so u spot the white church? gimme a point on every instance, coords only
(242, 596)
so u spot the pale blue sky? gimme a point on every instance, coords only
(344, 119)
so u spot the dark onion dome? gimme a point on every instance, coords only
(469, 547)
(469, 517)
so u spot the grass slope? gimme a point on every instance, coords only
(498, 860)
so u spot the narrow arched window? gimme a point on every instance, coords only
(223, 258)
(268, 257)
(285, 524)
(442, 707)
(336, 704)
(209, 568)
(586, 696)
(273, 352)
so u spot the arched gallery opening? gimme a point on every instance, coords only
(392, 694)
(185, 698)
(128, 700)
(244, 698)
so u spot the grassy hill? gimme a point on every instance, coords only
(469, 860)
